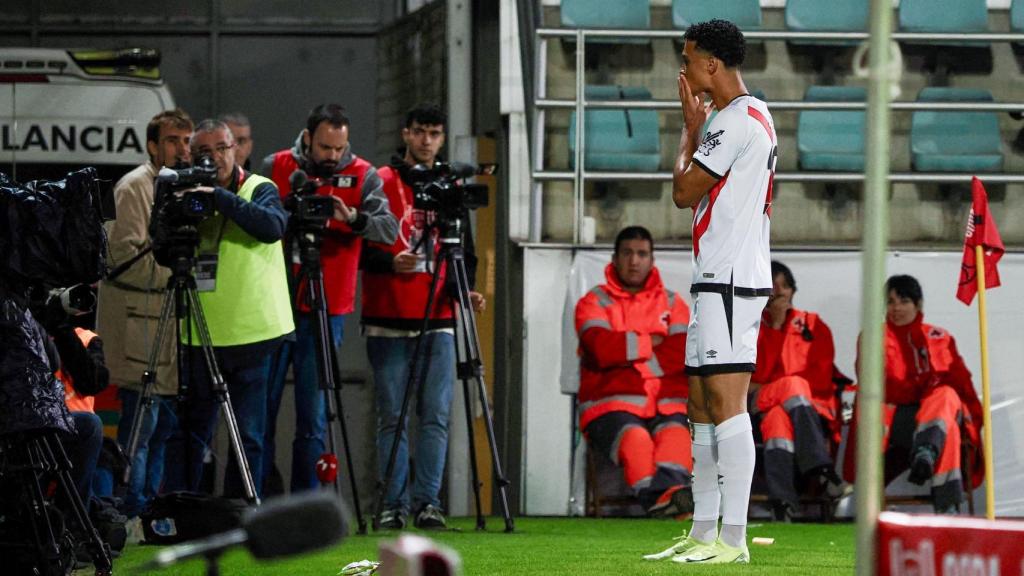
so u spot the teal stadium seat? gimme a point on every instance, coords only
(743, 13)
(1017, 16)
(618, 139)
(832, 140)
(955, 141)
(627, 14)
(943, 16)
(838, 16)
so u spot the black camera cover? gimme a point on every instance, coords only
(51, 236)
(53, 231)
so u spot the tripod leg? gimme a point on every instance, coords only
(481, 523)
(503, 482)
(148, 380)
(329, 380)
(467, 323)
(46, 542)
(99, 549)
(221, 390)
(464, 370)
(360, 521)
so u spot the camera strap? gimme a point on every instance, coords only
(419, 241)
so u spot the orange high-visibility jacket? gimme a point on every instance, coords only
(919, 357)
(75, 401)
(620, 368)
(803, 346)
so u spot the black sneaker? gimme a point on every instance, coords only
(782, 511)
(675, 501)
(430, 518)
(922, 467)
(392, 519)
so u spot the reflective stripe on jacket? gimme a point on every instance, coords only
(620, 368)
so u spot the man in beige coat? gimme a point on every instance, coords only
(129, 309)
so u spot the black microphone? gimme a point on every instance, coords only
(298, 180)
(280, 527)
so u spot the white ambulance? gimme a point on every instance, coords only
(61, 110)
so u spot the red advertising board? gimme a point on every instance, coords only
(928, 545)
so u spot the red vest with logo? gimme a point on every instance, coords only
(402, 296)
(339, 253)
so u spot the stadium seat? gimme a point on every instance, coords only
(955, 141)
(832, 139)
(808, 16)
(618, 139)
(744, 13)
(943, 16)
(1017, 16)
(627, 14)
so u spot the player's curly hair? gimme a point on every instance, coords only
(721, 38)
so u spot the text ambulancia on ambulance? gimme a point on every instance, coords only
(61, 110)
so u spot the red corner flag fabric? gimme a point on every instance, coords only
(981, 230)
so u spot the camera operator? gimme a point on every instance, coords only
(243, 291)
(76, 355)
(129, 309)
(396, 286)
(361, 211)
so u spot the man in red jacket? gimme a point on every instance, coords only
(791, 393)
(323, 152)
(633, 387)
(396, 287)
(928, 393)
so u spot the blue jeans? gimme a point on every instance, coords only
(246, 377)
(310, 410)
(390, 358)
(158, 423)
(83, 450)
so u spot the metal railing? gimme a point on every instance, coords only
(578, 176)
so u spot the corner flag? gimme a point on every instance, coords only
(981, 231)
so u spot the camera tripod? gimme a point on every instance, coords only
(184, 297)
(309, 240)
(31, 462)
(469, 367)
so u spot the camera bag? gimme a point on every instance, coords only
(182, 516)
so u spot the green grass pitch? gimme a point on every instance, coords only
(557, 546)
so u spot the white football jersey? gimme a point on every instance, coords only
(731, 222)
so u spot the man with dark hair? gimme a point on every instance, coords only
(396, 287)
(241, 129)
(724, 175)
(633, 389)
(791, 394)
(243, 291)
(929, 400)
(129, 309)
(323, 151)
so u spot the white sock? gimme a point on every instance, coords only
(706, 495)
(736, 465)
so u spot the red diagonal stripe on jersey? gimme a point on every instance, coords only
(701, 227)
(756, 115)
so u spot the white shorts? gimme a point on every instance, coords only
(722, 336)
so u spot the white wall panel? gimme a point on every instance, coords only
(828, 283)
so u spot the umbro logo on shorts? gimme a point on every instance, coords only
(711, 354)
